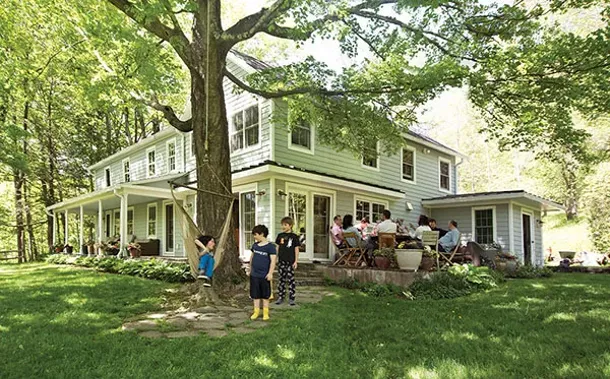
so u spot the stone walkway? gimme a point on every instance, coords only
(216, 321)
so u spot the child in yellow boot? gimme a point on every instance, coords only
(262, 265)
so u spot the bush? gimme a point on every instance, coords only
(597, 202)
(459, 280)
(149, 269)
(530, 272)
(372, 289)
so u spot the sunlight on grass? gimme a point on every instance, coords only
(538, 286)
(514, 305)
(458, 336)
(421, 373)
(533, 300)
(603, 314)
(285, 352)
(75, 299)
(561, 317)
(24, 318)
(4, 328)
(265, 361)
(607, 368)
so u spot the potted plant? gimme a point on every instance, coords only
(384, 257)
(58, 248)
(428, 259)
(506, 262)
(408, 258)
(91, 245)
(134, 249)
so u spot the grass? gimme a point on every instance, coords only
(65, 322)
(563, 235)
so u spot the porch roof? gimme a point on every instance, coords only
(520, 196)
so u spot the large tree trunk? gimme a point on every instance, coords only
(32, 248)
(212, 209)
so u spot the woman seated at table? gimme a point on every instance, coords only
(348, 227)
(365, 227)
(422, 227)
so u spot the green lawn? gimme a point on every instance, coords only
(65, 323)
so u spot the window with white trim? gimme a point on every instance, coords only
(107, 176)
(408, 164)
(484, 225)
(301, 135)
(171, 155)
(444, 169)
(245, 128)
(248, 217)
(117, 223)
(370, 155)
(151, 163)
(371, 209)
(126, 170)
(130, 222)
(151, 224)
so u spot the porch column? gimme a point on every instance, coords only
(81, 234)
(123, 224)
(100, 222)
(54, 229)
(66, 234)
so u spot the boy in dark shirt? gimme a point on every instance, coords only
(262, 266)
(288, 255)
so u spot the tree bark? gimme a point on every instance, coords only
(32, 247)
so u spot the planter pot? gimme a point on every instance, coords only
(427, 263)
(409, 259)
(506, 266)
(69, 249)
(91, 250)
(135, 253)
(382, 262)
(59, 249)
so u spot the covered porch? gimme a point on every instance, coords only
(124, 211)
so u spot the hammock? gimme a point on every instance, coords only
(190, 232)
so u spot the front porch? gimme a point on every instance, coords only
(126, 212)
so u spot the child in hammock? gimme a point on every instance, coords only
(206, 245)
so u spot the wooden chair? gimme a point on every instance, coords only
(353, 254)
(387, 240)
(448, 257)
(430, 238)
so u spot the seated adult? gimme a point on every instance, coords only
(386, 225)
(348, 227)
(422, 227)
(336, 232)
(363, 227)
(450, 240)
(434, 228)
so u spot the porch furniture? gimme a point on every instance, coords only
(353, 254)
(149, 247)
(387, 240)
(480, 255)
(448, 257)
(430, 238)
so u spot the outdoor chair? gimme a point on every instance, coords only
(353, 254)
(387, 240)
(430, 238)
(447, 257)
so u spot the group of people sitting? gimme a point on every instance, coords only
(367, 234)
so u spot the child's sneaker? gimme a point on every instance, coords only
(207, 284)
(292, 302)
(279, 301)
(202, 275)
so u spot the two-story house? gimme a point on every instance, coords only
(279, 172)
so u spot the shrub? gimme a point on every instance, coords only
(597, 201)
(530, 272)
(372, 289)
(441, 285)
(149, 269)
(478, 276)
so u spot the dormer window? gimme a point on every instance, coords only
(126, 170)
(245, 128)
(171, 155)
(107, 176)
(151, 162)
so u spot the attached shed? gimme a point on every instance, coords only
(512, 219)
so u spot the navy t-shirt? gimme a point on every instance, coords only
(261, 259)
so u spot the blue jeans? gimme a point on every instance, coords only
(206, 264)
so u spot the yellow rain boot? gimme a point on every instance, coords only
(265, 314)
(255, 314)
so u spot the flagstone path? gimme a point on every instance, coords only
(216, 321)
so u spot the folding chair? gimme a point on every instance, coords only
(430, 238)
(387, 240)
(449, 258)
(353, 251)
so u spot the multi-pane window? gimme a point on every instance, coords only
(301, 135)
(408, 164)
(152, 221)
(192, 145)
(370, 209)
(369, 155)
(107, 176)
(126, 171)
(297, 210)
(169, 227)
(171, 155)
(445, 175)
(151, 163)
(245, 128)
(117, 223)
(130, 222)
(248, 214)
(484, 226)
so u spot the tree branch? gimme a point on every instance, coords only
(174, 36)
(168, 112)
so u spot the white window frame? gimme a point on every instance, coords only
(369, 200)
(438, 168)
(377, 161)
(148, 162)
(192, 144)
(164, 218)
(303, 149)
(494, 221)
(126, 173)
(531, 213)
(133, 221)
(402, 173)
(148, 207)
(107, 177)
(245, 251)
(167, 164)
(114, 226)
(233, 132)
